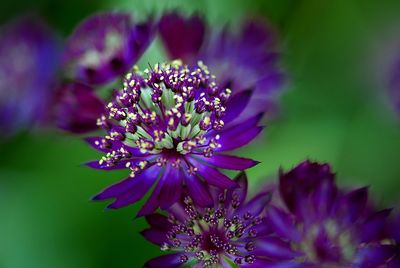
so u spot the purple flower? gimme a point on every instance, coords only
(105, 46)
(242, 61)
(319, 225)
(171, 129)
(228, 232)
(28, 60)
(77, 108)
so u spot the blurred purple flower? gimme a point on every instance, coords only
(170, 128)
(77, 108)
(247, 60)
(105, 46)
(230, 231)
(28, 61)
(323, 226)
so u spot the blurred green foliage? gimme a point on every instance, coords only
(333, 109)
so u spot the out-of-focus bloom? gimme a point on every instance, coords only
(242, 61)
(171, 128)
(228, 232)
(105, 46)
(28, 60)
(77, 108)
(320, 225)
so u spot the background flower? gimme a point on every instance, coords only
(323, 226)
(28, 62)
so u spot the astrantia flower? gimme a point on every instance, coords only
(77, 108)
(319, 225)
(28, 60)
(106, 46)
(228, 232)
(244, 60)
(170, 129)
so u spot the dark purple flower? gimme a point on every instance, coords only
(105, 46)
(171, 128)
(227, 232)
(323, 226)
(28, 60)
(244, 60)
(77, 108)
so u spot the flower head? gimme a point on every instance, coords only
(28, 60)
(225, 233)
(320, 225)
(105, 46)
(169, 125)
(243, 60)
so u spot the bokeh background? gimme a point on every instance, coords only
(333, 108)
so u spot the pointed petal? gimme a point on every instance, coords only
(165, 261)
(214, 177)
(182, 37)
(236, 105)
(158, 221)
(172, 188)
(120, 165)
(233, 140)
(229, 162)
(282, 224)
(154, 236)
(198, 191)
(274, 247)
(354, 204)
(137, 184)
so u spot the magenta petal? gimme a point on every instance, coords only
(214, 177)
(165, 261)
(236, 105)
(229, 162)
(182, 37)
(172, 187)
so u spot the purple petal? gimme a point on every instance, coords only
(374, 226)
(198, 191)
(354, 203)
(282, 224)
(236, 105)
(158, 221)
(129, 190)
(374, 256)
(182, 37)
(229, 162)
(77, 108)
(172, 188)
(153, 202)
(154, 236)
(231, 141)
(165, 261)
(120, 165)
(274, 247)
(214, 177)
(256, 204)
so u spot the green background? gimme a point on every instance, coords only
(334, 108)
